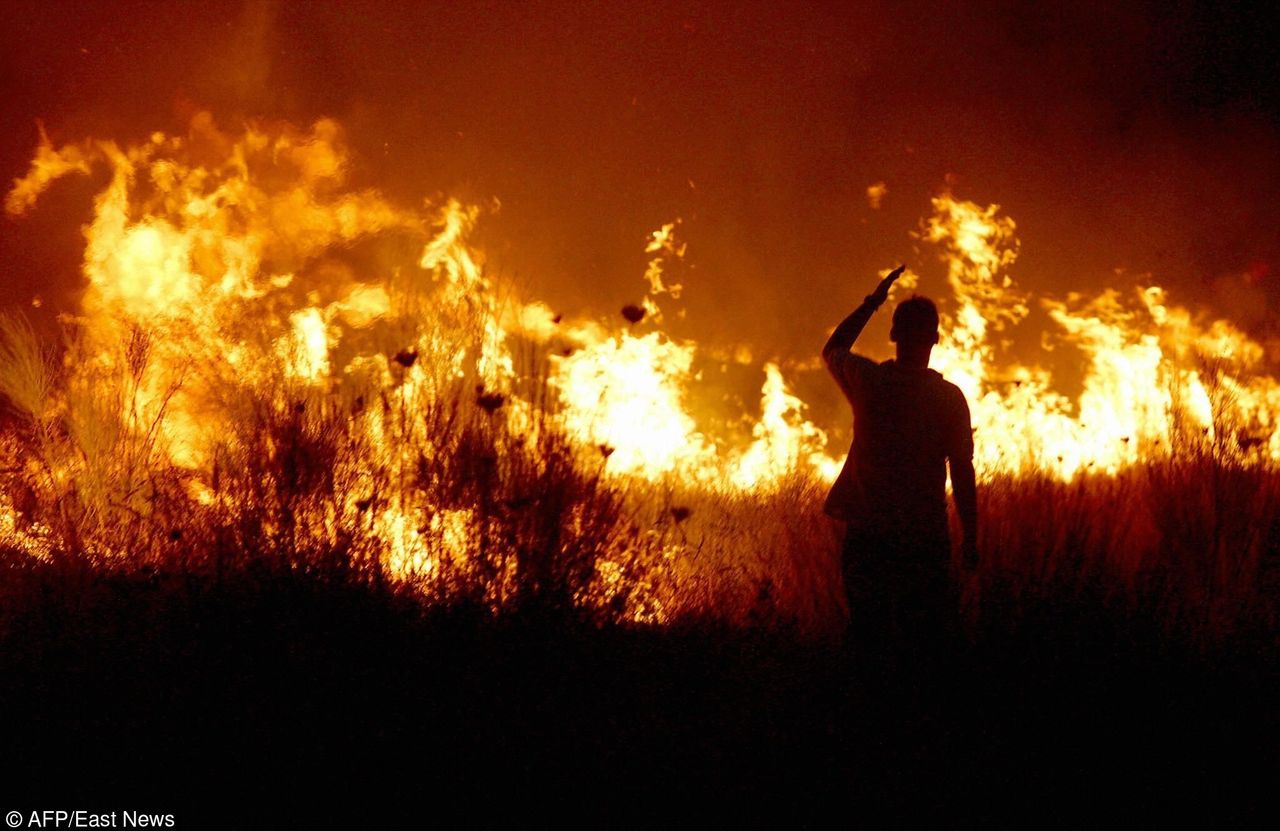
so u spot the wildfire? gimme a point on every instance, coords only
(228, 269)
(1154, 380)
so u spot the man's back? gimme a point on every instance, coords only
(910, 429)
(907, 423)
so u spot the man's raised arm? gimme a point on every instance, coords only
(841, 340)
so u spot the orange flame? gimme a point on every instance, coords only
(220, 263)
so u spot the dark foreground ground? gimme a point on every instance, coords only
(288, 702)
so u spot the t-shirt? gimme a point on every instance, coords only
(907, 423)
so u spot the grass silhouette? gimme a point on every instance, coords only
(546, 627)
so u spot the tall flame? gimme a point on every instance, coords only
(221, 264)
(1145, 389)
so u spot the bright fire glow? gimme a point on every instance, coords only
(228, 268)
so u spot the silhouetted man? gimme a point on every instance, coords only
(908, 425)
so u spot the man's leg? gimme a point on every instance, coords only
(871, 634)
(928, 619)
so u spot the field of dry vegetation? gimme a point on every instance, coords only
(509, 522)
(629, 632)
(301, 502)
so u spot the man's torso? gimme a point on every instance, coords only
(906, 423)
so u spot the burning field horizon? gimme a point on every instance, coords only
(418, 409)
(267, 356)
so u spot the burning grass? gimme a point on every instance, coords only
(275, 374)
(468, 510)
(233, 657)
(295, 490)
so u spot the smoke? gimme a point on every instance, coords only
(1130, 138)
(244, 68)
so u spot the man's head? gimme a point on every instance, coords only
(915, 323)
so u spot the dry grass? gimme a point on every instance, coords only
(574, 630)
(455, 503)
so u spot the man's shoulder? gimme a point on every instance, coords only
(949, 386)
(952, 395)
(922, 376)
(946, 390)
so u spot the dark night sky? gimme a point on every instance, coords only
(1142, 137)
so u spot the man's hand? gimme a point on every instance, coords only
(881, 293)
(847, 332)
